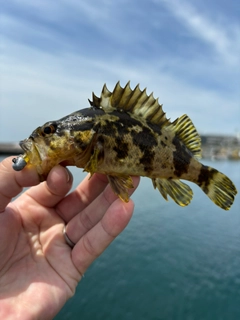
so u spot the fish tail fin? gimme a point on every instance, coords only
(180, 192)
(218, 187)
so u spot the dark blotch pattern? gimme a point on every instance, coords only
(205, 176)
(80, 144)
(147, 161)
(129, 121)
(121, 149)
(109, 129)
(100, 156)
(82, 126)
(101, 139)
(144, 139)
(181, 158)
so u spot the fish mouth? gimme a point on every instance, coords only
(26, 145)
(29, 147)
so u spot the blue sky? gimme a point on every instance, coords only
(53, 54)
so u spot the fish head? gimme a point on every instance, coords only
(46, 147)
(57, 142)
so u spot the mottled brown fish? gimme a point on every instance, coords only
(124, 133)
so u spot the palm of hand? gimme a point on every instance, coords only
(35, 261)
(38, 270)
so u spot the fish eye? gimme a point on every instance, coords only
(49, 129)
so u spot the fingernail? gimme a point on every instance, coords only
(68, 175)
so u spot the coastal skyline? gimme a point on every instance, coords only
(55, 53)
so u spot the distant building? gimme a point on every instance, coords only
(220, 147)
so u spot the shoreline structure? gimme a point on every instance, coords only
(214, 147)
(10, 148)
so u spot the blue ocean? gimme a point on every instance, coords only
(169, 263)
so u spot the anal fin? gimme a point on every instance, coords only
(120, 186)
(180, 192)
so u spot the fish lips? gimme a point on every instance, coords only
(30, 148)
(26, 145)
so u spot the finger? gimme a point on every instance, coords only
(82, 196)
(93, 243)
(12, 182)
(50, 192)
(92, 214)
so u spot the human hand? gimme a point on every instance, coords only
(39, 271)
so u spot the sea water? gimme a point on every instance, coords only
(169, 263)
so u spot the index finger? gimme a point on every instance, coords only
(12, 182)
(82, 196)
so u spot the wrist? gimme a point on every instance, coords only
(11, 309)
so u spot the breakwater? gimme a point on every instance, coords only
(10, 148)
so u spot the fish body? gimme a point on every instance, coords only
(125, 133)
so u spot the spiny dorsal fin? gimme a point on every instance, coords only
(187, 133)
(134, 101)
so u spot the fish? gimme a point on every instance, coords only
(126, 133)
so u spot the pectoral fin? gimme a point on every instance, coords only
(95, 160)
(180, 192)
(120, 186)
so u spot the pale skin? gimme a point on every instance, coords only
(39, 272)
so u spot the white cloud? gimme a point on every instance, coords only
(224, 38)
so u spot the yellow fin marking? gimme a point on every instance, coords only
(120, 186)
(219, 188)
(187, 133)
(94, 161)
(180, 192)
